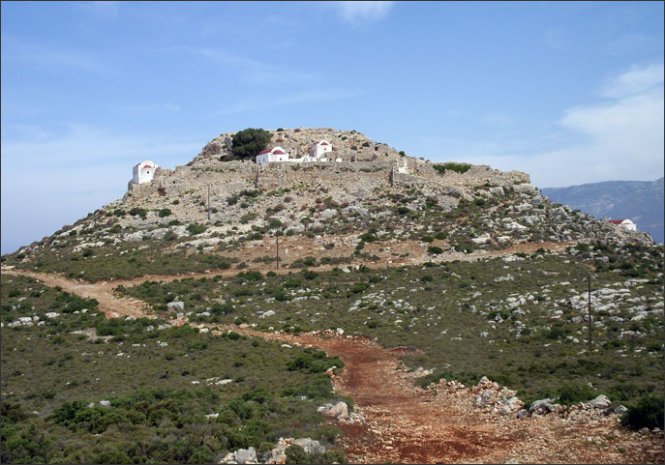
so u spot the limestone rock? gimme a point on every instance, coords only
(600, 402)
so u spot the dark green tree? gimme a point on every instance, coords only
(249, 142)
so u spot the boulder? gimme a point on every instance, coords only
(310, 446)
(620, 409)
(497, 190)
(601, 402)
(328, 213)
(542, 406)
(339, 411)
(522, 414)
(245, 455)
(525, 188)
(176, 306)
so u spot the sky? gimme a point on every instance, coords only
(570, 93)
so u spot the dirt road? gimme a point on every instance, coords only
(406, 424)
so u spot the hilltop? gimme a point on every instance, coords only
(374, 307)
(376, 205)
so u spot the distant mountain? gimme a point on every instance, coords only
(640, 201)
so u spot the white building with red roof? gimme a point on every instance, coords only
(625, 224)
(275, 154)
(143, 172)
(318, 150)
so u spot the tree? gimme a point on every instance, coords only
(249, 142)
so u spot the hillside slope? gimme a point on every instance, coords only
(642, 202)
(224, 309)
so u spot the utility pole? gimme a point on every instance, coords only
(208, 203)
(589, 309)
(277, 243)
(385, 289)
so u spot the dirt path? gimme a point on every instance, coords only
(406, 424)
(113, 306)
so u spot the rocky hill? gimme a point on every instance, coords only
(360, 209)
(382, 308)
(642, 202)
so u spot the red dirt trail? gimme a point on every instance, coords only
(406, 424)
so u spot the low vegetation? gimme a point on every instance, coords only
(153, 395)
(452, 166)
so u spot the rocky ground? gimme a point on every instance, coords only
(395, 421)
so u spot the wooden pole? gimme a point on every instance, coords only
(385, 289)
(589, 309)
(208, 202)
(277, 242)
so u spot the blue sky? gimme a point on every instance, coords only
(568, 92)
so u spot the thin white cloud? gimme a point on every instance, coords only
(108, 9)
(68, 171)
(49, 56)
(249, 68)
(636, 80)
(79, 145)
(355, 12)
(620, 138)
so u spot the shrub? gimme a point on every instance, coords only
(142, 212)
(249, 142)
(434, 250)
(452, 166)
(195, 228)
(164, 212)
(308, 274)
(170, 236)
(357, 288)
(647, 413)
(247, 217)
(573, 393)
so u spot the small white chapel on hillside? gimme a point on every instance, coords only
(143, 172)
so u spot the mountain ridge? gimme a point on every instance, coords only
(640, 201)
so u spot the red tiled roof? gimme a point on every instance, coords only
(323, 142)
(262, 152)
(279, 152)
(146, 166)
(616, 221)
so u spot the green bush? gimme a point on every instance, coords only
(249, 142)
(573, 393)
(308, 274)
(136, 211)
(247, 217)
(164, 212)
(452, 166)
(357, 288)
(434, 250)
(195, 228)
(647, 413)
